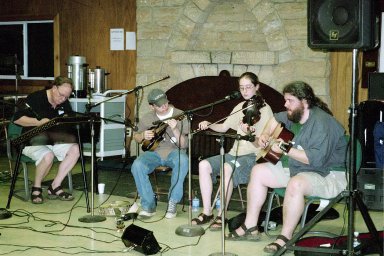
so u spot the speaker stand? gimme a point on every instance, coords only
(351, 195)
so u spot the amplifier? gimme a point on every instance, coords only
(370, 182)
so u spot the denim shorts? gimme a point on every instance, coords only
(241, 166)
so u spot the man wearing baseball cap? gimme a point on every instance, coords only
(163, 145)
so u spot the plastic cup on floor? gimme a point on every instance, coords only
(101, 187)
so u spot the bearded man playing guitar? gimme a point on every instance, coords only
(164, 145)
(305, 170)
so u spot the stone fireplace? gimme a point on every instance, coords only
(190, 38)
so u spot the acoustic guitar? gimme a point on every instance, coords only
(267, 154)
(158, 131)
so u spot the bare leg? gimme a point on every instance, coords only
(42, 169)
(261, 178)
(228, 184)
(228, 189)
(205, 182)
(66, 166)
(293, 206)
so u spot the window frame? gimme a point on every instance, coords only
(24, 23)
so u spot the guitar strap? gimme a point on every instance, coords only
(295, 128)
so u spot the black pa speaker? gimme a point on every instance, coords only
(342, 24)
(376, 86)
(140, 239)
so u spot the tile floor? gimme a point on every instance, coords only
(53, 228)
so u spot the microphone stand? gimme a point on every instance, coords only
(17, 77)
(190, 230)
(222, 196)
(137, 119)
(92, 218)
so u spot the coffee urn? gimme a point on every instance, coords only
(77, 71)
(98, 80)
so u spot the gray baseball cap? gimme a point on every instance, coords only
(157, 97)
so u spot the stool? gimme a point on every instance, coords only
(160, 170)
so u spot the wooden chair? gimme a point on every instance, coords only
(160, 170)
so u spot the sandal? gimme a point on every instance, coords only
(274, 247)
(204, 219)
(64, 196)
(38, 196)
(216, 224)
(247, 236)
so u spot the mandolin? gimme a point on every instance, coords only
(267, 154)
(159, 131)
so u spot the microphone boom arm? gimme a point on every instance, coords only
(188, 112)
(125, 93)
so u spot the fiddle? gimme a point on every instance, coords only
(252, 109)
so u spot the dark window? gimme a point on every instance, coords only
(40, 50)
(11, 48)
(26, 49)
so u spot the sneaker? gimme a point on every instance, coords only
(146, 214)
(172, 210)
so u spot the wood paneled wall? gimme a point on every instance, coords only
(84, 28)
(341, 85)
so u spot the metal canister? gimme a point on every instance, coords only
(98, 80)
(77, 71)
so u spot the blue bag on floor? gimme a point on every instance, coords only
(378, 138)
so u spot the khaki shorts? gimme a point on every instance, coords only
(325, 187)
(36, 153)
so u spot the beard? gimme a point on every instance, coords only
(296, 114)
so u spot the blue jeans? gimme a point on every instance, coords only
(146, 163)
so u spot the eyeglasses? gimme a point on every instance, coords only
(246, 87)
(60, 94)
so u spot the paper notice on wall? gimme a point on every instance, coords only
(117, 39)
(130, 40)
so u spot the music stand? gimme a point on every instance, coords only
(351, 194)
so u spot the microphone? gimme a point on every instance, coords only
(233, 95)
(32, 111)
(248, 137)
